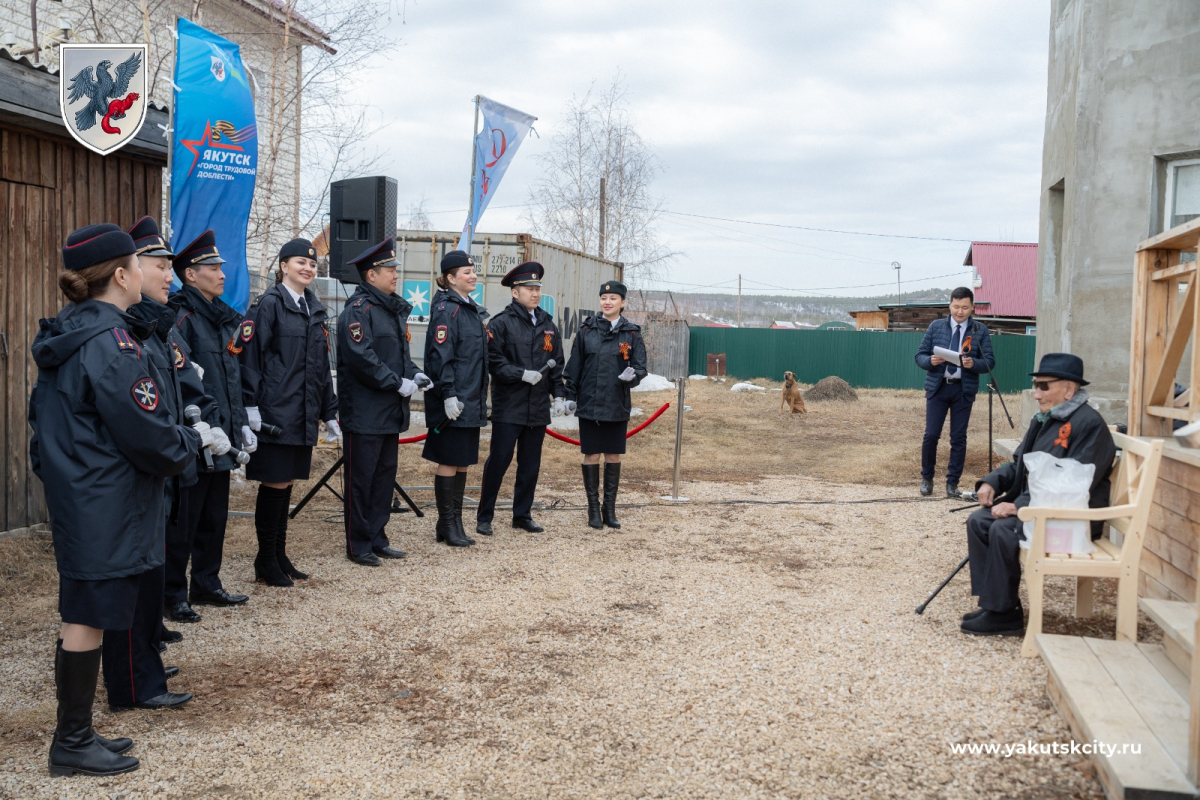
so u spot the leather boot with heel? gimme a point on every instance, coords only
(460, 490)
(117, 746)
(266, 528)
(443, 492)
(591, 486)
(75, 748)
(612, 479)
(285, 564)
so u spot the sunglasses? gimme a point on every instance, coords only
(1044, 386)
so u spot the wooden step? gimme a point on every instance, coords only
(1116, 693)
(1004, 448)
(1178, 622)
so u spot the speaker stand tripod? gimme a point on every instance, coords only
(324, 482)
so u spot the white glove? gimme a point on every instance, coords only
(531, 377)
(407, 387)
(453, 407)
(199, 370)
(559, 408)
(221, 444)
(249, 440)
(571, 406)
(253, 415)
(206, 434)
(333, 431)
(627, 375)
(423, 381)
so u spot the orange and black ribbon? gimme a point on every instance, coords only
(625, 350)
(1064, 436)
(546, 345)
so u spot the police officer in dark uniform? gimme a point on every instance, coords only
(456, 358)
(608, 358)
(104, 443)
(376, 377)
(522, 339)
(209, 327)
(287, 388)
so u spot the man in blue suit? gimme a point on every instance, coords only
(950, 388)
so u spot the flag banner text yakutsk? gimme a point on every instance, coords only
(496, 143)
(214, 152)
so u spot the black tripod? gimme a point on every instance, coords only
(324, 482)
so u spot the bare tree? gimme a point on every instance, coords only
(598, 140)
(418, 217)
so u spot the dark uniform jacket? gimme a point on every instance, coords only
(941, 334)
(285, 365)
(105, 440)
(456, 360)
(372, 356)
(1072, 430)
(598, 355)
(517, 344)
(210, 331)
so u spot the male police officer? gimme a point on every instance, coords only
(376, 377)
(522, 339)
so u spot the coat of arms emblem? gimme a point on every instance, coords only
(103, 93)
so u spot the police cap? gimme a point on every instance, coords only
(613, 287)
(148, 239)
(455, 259)
(302, 248)
(203, 250)
(376, 256)
(95, 244)
(528, 274)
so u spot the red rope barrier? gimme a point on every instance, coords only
(412, 439)
(628, 435)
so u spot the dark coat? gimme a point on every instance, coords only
(373, 355)
(940, 334)
(285, 365)
(105, 439)
(1073, 430)
(456, 360)
(597, 358)
(210, 331)
(515, 345)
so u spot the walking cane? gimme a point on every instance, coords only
(950, 577)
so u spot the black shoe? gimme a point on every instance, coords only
(612, 479)
(978, 611)
(162, 701)
(996, 623)
(389, 552)
(266, 528)
(460, 489)
(285, 563)
(181, 612)
(926, 488)
(170, 637)
(162, 647)
(447, 532)
(591, 487)
(366, 559)
(483, 527)
(218, 598)
(75, 748)
(952, 491)
(170, 672)
(528, 525)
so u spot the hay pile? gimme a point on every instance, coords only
(832, 388)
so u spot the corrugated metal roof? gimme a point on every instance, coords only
(1007, 274)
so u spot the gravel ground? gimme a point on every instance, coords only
(701, 651)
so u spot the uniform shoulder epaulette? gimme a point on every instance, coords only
(254, 303)
(125, 342)
(358, 302)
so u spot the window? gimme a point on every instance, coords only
(1183, 192)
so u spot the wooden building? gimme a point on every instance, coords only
(50, 185)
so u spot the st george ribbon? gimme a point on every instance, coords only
(214, 152)
(496, 143)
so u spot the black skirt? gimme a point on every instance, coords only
(602, 437)
(105, 604)
(454, 447)
(279, 463)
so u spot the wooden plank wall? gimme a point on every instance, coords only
(48, 187)
(1168, 565)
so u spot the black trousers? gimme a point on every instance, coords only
(133, 669)
(527, 441)
(198, 533)
(948, 398)
(994, 551)
(371, 462)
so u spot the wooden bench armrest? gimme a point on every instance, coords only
(1111, 512)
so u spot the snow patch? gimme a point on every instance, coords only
(653, 383)
(697, 377)
(746, 387)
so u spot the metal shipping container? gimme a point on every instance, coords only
(570, 289)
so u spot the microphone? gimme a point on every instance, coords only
(192, 415)
(549, 365)
(272, 430)
(240, 456)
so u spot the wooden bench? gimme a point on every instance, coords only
(1132, 492)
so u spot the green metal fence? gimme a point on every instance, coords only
(869, 359)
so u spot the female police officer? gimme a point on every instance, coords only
(608, 358)
(456, 359)
(287, 389)
(104, 444)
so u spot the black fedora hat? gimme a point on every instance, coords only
(1061, 365)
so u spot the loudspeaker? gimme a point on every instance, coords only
(362, 211)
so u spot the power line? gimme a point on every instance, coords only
(821, 230)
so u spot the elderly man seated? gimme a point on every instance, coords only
(1065, 426)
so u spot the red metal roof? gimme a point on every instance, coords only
(1008, 277)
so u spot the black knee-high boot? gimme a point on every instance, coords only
(460, 489)
(115, 745)
(75, 748)
(591, 486)
(285, 563)
(612, 479)
(447, 531)
(266, 527)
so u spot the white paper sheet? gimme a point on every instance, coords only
(950, 355)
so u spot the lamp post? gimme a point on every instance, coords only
(896, 266)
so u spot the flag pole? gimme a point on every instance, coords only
(170, 132)
(471, 201)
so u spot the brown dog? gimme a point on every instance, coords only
(791, 395)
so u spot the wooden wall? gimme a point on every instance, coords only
(48, 187)
(1168, 566)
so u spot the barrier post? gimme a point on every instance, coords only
(674, 496)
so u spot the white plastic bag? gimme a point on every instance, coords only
(1060, 483)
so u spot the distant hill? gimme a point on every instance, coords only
(759, 311)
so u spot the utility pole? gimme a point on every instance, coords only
(739, 300)
(603, 213)
(896, 266)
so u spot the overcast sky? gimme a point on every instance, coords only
(916, 118)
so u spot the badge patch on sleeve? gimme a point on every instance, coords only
(145, 394)
(180, 361)
(356, 332)
(439, 336)
(247, 330)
